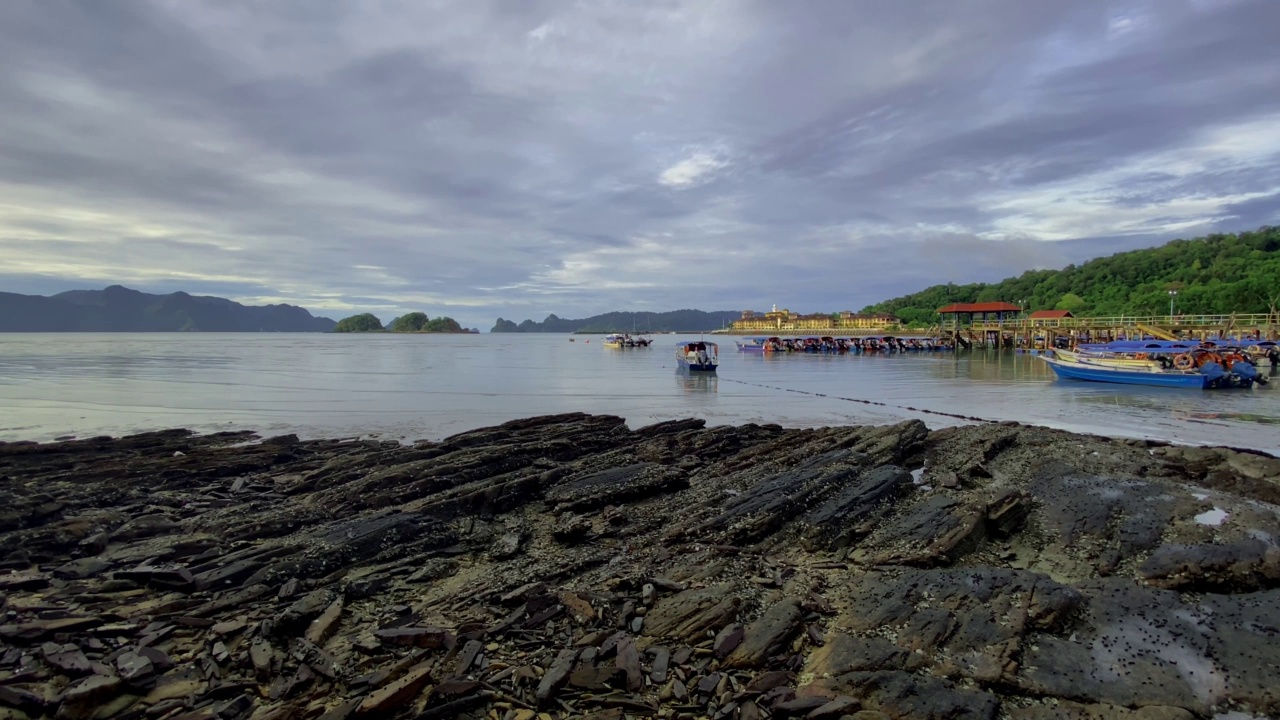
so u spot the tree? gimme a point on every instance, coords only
(442, 324)
(1215, 274)
(412, 322)
(364, 322)
(1071, 302)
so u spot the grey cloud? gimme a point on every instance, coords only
(504, 158)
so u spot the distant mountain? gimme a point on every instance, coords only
(692, 320)
(119, 309)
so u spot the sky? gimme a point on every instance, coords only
(516, 158)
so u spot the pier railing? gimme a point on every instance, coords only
(1237, 320)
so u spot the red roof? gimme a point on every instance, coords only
(986, 307)
(1044, 314)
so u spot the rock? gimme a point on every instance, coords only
(160, 574)
(901, 694)
(764, 682)
(1007, 513)
(579, 609)
(661, 658)
(81, 698)
(67, 659)
(689, 614)
(37, 630)
(767, 635)
(936, 531)
(841, 705)
(839, 520)
(845, 653)
(145, 526)
(613, 486)
(598, 678)
(324, 625)
(1244, 565)
(397, 694)
(629, 662)
(423, 637)
(300, 614)
(135, 668)
(22, 700)
(557, 674)
(728, 639)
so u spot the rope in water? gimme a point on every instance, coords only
(860, 400)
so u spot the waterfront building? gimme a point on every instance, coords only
(780, 321)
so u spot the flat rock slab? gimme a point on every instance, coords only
(616, 485)
(686, 616)
(767, 635)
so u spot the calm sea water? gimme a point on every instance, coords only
(408, 387)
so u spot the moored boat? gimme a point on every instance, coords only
(698, 356)
(752, 344)
(1210, 375)
(618, 340)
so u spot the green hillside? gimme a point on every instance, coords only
(1213, 274)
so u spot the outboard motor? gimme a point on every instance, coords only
(1216, 374)
(1247, 373)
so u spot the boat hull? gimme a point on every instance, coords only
(1121, 376)
(696, 367)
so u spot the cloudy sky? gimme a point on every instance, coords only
(515, 158)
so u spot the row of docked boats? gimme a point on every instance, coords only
(840, 346)
(1200, 365)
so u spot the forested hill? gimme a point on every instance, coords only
(1213, 274)
(119, 309)
(626, 322)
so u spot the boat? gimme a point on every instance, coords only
(1207, 377)
(1107, 360)
(751, 344)
(698, 356)
(618, 340)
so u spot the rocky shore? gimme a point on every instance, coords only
(569, 566)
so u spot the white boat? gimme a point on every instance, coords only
(698, 356)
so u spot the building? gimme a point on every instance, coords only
(1043, 318)
(780, 321)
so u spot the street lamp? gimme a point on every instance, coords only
(1172, 294)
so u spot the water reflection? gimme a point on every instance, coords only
(690, 382)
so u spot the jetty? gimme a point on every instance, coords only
(1003, 324)
(997, 324)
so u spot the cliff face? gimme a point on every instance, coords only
(571, 565)
(119, 309)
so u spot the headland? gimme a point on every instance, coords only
(569, 566)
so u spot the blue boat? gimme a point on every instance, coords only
(751, 344)
(698, 356)
(1209, 376)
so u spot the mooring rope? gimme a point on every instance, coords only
(860, 400)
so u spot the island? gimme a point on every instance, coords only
(414, 322)
(120, 309)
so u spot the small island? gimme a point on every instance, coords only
(414, 322)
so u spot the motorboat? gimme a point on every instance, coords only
(618, 340)
(1208, 376)
(698, 356)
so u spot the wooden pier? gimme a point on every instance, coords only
(1039, 333)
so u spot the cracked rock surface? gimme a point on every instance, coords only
(569, 566)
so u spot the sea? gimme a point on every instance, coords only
(411, 387)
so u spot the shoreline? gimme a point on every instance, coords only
(569, 564)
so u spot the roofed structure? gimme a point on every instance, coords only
(1051, 314)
